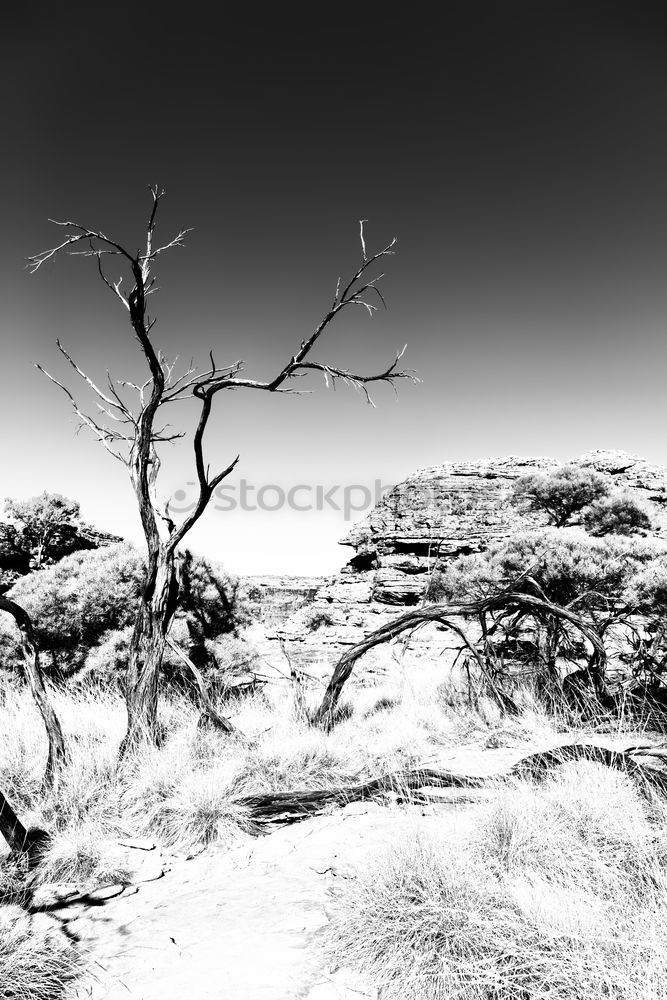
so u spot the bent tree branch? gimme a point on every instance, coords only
(440, 613)
(208, 709)
(57, 753)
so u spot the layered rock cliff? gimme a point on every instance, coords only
(434, 515)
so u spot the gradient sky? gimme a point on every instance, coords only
(517, 150)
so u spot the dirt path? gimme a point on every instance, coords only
(240, 925)
(244, 924)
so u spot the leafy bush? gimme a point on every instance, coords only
(566, 564)
(646, 590)
(467, 578)
(212, 599)
(76, 601)
(84, 608)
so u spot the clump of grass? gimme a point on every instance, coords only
(84, 855)
(561, 895)
(301, 758)
(37, 962)
(318, 619)
(200, 811)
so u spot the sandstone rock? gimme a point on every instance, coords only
(439, 513)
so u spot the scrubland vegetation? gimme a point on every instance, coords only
(559, 888)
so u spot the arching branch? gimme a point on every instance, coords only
(507, 599)
(57, 754)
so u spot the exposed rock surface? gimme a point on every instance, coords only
(434, 515)
(275, 598)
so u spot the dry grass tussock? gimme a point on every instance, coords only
(36, 961)
(560, 893)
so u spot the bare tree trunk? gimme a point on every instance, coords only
(33, 842)
(11, 827)
(154, 618)
(57, 754)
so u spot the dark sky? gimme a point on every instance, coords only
(517, 150)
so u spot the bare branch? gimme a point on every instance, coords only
(361, 237)
(117, 404)
(103, 434)
(82, 233)
(359, 382)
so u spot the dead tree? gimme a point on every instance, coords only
(507, 600)
(57, 753)
(132, 431)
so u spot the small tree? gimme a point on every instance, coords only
(132, 432)
(561, 494)
(47, 524)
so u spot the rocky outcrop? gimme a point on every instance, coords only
(93, 538)
(434, 515)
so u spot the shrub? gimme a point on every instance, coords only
(618, 514)
(213, 600)
(567, 564)
(318, 619)
(84, 608)
(76, 601)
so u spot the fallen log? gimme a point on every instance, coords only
(269, 808)
(294, 805)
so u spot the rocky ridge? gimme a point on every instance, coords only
(435, 514)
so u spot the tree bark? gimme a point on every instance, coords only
(57, 753)
(154, 618)
(11, 827)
